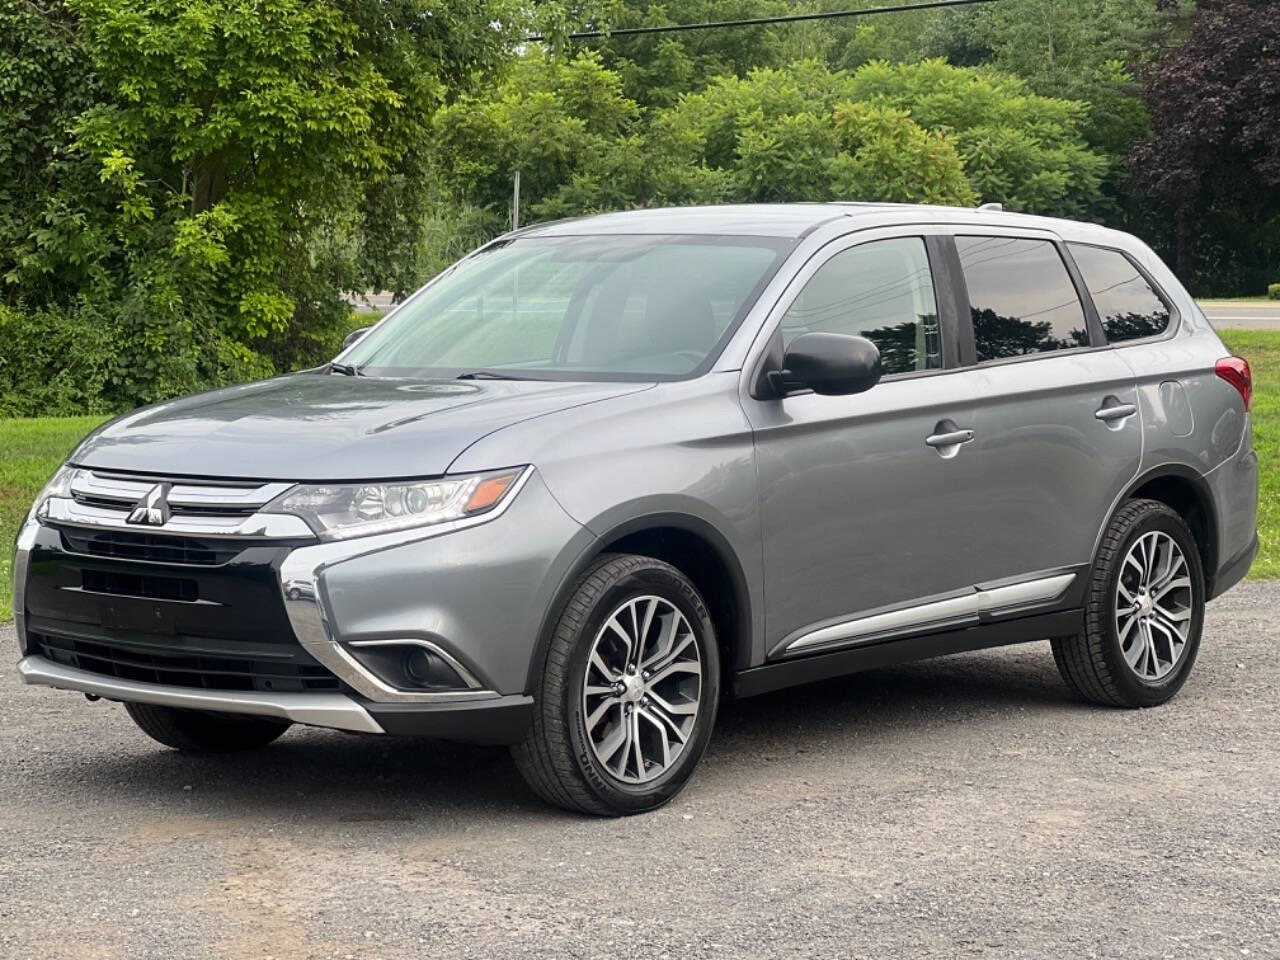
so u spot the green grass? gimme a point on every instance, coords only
(1262, 349)
(30, 450)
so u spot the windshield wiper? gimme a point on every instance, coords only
(488, 375)
(346, 369)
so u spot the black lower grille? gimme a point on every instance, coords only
(140, 585)
(185, 668)
(153, 548)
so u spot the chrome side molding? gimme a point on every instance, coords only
(334, 710)
(949, 612)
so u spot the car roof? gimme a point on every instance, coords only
(795, 220)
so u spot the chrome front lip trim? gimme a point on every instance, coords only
(333, 710)
(21, 558)
(275, 526)
(954, 611)
(306, 603)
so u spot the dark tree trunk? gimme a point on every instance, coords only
(1187, 233)
(209, 184)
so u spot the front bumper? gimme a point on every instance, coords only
(334, 710)
(302, 612)
(500, 720)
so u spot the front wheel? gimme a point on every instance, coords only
(629, 691)
(1144, 612)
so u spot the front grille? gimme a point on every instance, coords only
(207, 670)
(151, 547)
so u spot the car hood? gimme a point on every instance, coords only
(327, 427)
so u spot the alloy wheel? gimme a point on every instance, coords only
(642, 689)
(1154, 606)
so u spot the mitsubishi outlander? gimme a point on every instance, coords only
(602, 473)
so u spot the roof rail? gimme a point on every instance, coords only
(991, 208)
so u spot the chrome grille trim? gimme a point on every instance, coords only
(216, 495)
(271, 526)
(103, 500)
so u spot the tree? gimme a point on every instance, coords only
(208, 168)
(1020, 149)
(1214, 158)
(555, 121)
(778, 129)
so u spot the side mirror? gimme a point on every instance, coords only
(353, 336)
(831, 364)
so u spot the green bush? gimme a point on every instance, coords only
(1273, 291)
(54, 363)
(187, 187)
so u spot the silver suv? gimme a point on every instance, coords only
(601, 473)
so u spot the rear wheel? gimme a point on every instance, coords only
(1144, 611)
(195, 731)
(629, 691)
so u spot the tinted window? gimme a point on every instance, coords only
(1021, 296)
(1129, 308)
(882, 291)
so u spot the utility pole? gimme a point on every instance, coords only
(515, 204)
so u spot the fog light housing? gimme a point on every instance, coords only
(426, 669)
(417, 666)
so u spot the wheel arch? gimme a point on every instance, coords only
(692, 545)
(1187, 493)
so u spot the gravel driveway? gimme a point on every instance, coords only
(961, 807)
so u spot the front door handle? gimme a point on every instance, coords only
(952, 438)
(1115, 411)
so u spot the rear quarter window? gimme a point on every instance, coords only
(1128, 306)
(1021, 297)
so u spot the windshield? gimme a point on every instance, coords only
(580, 308)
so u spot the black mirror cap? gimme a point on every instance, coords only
(353, 336)
(832, 364)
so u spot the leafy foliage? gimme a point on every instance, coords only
(189, 187)
(205, 188)
(1020, 149)
(925, 132)
(1215, 155)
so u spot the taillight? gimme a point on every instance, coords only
(1235, 370)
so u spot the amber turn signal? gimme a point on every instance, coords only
(489, 491)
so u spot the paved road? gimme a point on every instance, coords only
(1243, 316)
(963, 807)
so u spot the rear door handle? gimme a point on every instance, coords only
(1116, 412)
(950, 439)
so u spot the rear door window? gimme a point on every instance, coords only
(881, 290)
(1128, 306)
(1021, 297)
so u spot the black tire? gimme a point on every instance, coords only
(1092, 662)
(557, 758)
(195, 731)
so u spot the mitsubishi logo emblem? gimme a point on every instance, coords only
(153, 509)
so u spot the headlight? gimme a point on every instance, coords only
(341, 511)
(58, 486)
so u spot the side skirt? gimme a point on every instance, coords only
(890, 653)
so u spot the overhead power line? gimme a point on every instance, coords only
(763, 21)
